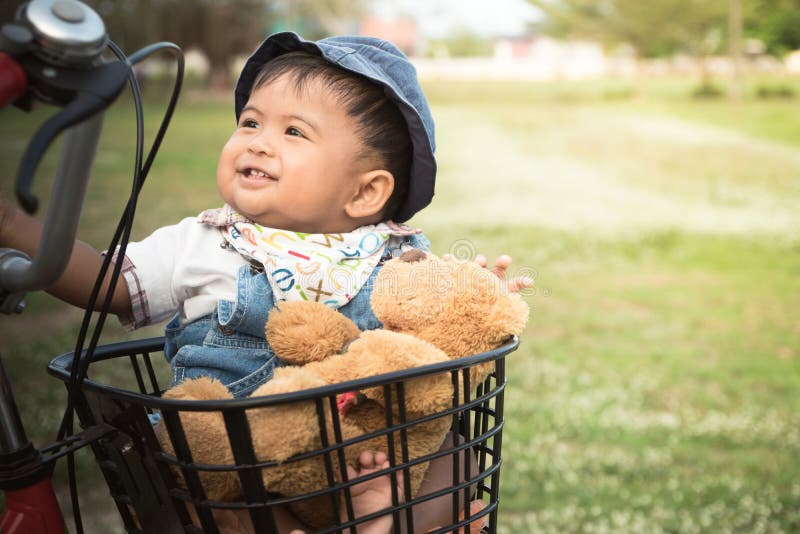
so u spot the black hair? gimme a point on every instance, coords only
(381, 126)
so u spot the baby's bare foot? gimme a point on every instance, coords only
(372, 495)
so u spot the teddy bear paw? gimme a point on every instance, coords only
(303, 332)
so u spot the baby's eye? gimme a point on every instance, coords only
(291, 130)
(248, 123)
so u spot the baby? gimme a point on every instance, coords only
(333, 141)
(333, 148)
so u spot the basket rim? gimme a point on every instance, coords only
(61, 365)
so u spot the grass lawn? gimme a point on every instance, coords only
(655, 389)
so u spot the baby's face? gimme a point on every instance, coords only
(292, 162)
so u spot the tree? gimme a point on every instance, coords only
(316, 19)
(652, 28)
(776, 23)
(7, 12)
(225, 29)
(463, 42)
(638, 24)
(222, 29)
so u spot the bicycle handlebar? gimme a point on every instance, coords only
(18, 274)
(72, 75)
(89, 93)
(52, 53)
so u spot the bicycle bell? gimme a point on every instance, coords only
(66, 33)
(59, 44)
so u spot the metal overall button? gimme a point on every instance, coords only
(226, 330)
(256, 267)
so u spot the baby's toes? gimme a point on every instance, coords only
(381, 460)
(371, 460)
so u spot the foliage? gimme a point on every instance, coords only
(614, 22)
(7, 11)
(462, 42)
(663, 27)
(222, 30)
(775, 91)
(651, 28)
(315, 19)
(776, 23)
(707, 89)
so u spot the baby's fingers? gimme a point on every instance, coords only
(500, 269)
(501, 265)
(518, 283)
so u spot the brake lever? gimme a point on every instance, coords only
(83, 93)
(57, 45)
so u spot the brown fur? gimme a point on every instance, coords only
(432, 310)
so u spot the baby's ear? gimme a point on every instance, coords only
(375, 188)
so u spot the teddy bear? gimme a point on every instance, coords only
(432, 310)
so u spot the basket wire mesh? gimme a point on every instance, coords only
(156, 491)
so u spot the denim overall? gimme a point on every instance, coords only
(229, 344)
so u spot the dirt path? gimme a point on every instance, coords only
(598, 171)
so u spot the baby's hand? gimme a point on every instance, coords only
(501, 265)
(6, 210)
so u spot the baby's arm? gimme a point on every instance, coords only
(22, 232)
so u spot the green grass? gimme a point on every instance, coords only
(655, 389)
(665, 372)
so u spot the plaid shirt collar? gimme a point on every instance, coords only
(221, 217)
(226, 216)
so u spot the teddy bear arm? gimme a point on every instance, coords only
(303, 332)
(206, 434)
(379, 352)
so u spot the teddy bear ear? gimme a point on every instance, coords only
(413, 255)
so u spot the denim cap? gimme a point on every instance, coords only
(381, 62)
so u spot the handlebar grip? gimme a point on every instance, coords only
(13, 80)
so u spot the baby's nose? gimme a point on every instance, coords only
(259, 144)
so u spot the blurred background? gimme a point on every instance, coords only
(640, 160)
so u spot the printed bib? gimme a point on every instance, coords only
(327, 268)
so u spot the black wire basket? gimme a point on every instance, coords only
(156, 491)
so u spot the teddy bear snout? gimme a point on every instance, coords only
(412, 256)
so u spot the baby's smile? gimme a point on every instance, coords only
(254, 174)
